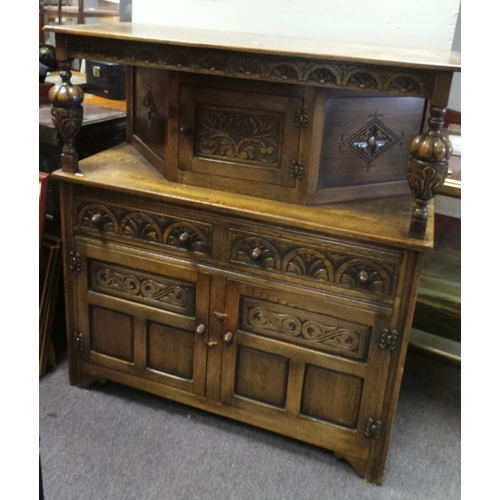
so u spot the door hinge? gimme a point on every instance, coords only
(388, 339)
(373, 428)
(78, 341)
(75, 261)
(297, 169)
(301, 118)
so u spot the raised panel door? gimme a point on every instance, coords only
(308, 365)
(244, 136)
(142, 316)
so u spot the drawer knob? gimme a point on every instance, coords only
(228, 338)
(184, 237)
(200, 329)
(363, 277)
(256, 253)
(95, 220)
(185, 129)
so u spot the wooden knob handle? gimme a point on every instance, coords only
(256, 253)
(95, 220)
(184, 237)
(363, 276)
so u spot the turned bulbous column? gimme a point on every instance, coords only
(67, 115)
(428, 168)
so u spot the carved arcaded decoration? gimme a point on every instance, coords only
(428, 166)
(269, 319)
(402, 82)
(99, 217)
(67, 115)
(372, 140)
(323, 74)
(186, 236)
(329, 74)
(146, 226)
(342, 269)
(257, 252)
(357, 273)
(141, 226)
(238, 135)
(307, 262)
(363, 79)
(142, 287)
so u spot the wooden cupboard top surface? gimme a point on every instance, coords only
(384, 220)
(269, 44)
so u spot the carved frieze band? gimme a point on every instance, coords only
(320, 265)
(238, 135)
(325, 332)
(171, 295)
(146, 226)
(255, 66)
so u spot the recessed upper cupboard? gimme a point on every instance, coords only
(292, 143)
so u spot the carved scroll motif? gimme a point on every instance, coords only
(320, 331)
(167, 294)
(266, 67)
(146, 226)
(295, 326)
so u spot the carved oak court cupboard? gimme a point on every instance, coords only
(253, 249)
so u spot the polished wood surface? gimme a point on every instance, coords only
(267, 44)
(197, 265)
(382, 220)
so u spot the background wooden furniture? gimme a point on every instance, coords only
(57, 10)
(290, 317)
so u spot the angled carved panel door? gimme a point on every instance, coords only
(142, 317)
(227, 136)
(290, 357)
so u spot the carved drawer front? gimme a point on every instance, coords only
(323, 332)
(242, 136)
(140, 226)
(141, 317)
(301, 358)
(327, 262)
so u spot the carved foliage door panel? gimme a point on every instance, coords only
(292, 356)
(238, 135)
(143, 317)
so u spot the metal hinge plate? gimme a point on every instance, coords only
(297, 169)
(301, 118)
(78, 341)
(373, 428)
(75, 261)
(388, 339)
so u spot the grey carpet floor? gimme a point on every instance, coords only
(112, 442)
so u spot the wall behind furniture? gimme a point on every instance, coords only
(423, 24)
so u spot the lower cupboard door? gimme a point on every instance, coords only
(305, 367)
(142, 317)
